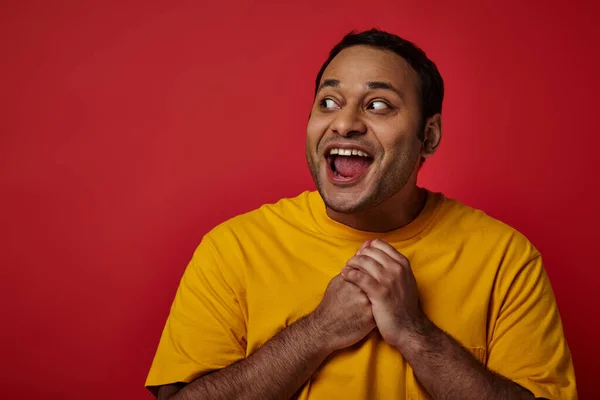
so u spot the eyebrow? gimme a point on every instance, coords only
(386, 86)
(334, 83)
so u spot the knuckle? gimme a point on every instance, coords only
(396, 272)
(363, 301)
(352, 274)
(388, 282)
(353, 259)
(366, 250)
(385, 291)
(363, 258)
(404, 261)
(357, 274)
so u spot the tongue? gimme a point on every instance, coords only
(351, 166)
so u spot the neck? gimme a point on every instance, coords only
(394, 213)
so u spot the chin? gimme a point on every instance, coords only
(344, 200)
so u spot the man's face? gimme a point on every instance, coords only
(368, 105)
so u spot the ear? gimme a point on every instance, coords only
(432, 136)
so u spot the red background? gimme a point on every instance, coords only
(129, 129)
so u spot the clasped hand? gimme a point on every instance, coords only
(386, 277)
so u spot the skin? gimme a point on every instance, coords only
(376, 288)
(443, 367)
(282, 365)
(385, 121)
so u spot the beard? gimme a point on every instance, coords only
(386, 182)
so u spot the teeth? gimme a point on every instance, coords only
(348, 152)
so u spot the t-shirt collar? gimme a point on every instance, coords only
(333, 228)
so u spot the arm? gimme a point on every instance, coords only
(282, 365)
(275, 371)
(449, 371)
(444, 368)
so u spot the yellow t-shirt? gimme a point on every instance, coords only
(479, 280)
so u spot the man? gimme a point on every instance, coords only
(372, 287)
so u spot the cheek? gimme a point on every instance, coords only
(390, 136)
(398, 143)
(316, 128)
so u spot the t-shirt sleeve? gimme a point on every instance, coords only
(205, 330)
(528, 344)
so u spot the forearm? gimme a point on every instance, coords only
(275, 371)
(448, 371)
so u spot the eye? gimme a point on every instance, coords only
(378, 105)
(328, 104)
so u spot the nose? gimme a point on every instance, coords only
(348, 122)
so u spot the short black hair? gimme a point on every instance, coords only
(431, 84)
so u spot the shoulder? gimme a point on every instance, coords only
(265, 219)
(226, 249)
(472, 224)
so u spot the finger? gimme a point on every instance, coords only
(368, 265)
(361, 279)
(390, 251)
(379, 256)
(364, 245)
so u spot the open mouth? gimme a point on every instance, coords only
(347, 165)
